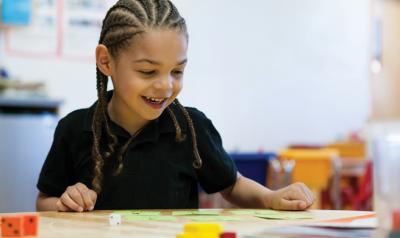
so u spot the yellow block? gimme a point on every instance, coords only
(198, 235)
(202, 228)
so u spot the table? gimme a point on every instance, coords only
(95, 224)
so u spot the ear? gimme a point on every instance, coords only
(104, 60)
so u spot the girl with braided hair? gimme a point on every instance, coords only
(137, 147)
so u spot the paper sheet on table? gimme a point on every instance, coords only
(366, 222)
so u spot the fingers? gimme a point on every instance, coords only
(88, 196)
(294, 197)
(302, 193)
(299, 191)
(67, 201)
(61, 207)
(309, 195)
(93, 196)
(77, 198)
(293, 205)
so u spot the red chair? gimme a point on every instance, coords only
(360, 197)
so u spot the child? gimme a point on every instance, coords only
(137, 147)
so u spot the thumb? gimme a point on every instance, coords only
(292, 205)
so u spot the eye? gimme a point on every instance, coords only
(147, 72)
(177, 72)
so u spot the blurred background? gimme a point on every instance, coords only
(296, 88)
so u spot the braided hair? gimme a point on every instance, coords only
(122, 22)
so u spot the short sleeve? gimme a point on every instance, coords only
(218, 171)
(53, 178)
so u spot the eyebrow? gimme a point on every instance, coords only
(157, 63)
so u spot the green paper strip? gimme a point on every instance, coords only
(268, 212)
(212, 218)
(163, 218)
(182, 213)
(284, 216)
(149, 213)
(189, 213)
(136, 218)
(243, 212)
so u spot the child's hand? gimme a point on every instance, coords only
(296, 196)
(77, 198)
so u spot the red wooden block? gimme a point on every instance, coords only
(31, 224)
(396, 220)
(12, 226)
(228, 235)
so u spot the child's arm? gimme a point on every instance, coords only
(247, 193)
(75, 198)
(46, 203)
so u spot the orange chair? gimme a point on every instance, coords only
(349, 149)
(319, 169)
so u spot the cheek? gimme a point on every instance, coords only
(178, 84)
(131, 84)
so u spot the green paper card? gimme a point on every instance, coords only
(205, 212)
(136, 218)
(182, 213)
(213, 218)
(189, 213)
(284, 216)
(149, 213)
(123, 212)
(163, 218)
(294, 216)
(267, 212)
(243, 212)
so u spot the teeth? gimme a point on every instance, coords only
(158, 100)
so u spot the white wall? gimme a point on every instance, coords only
(267, 72)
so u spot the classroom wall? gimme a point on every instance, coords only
(268, 73)
(386, 83)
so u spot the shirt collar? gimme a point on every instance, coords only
(151, 132)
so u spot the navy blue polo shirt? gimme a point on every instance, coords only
(158, 171)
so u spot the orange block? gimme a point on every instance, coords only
(31, 224)
(12, 226)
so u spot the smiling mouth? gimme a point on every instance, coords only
(155, 101)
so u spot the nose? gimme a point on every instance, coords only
(164, 83)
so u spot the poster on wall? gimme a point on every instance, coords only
(65, 29)
(39, 37)
(16, 12)
(82, 21)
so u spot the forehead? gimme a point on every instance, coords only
(159, 44)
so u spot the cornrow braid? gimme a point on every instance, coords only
(123, 21)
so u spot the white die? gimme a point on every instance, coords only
(115, 219)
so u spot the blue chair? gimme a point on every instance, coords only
(253, 165)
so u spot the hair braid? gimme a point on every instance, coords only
(178, 135)
(197, 163)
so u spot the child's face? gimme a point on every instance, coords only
(147, 76)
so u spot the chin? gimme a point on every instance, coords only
(152, 116)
